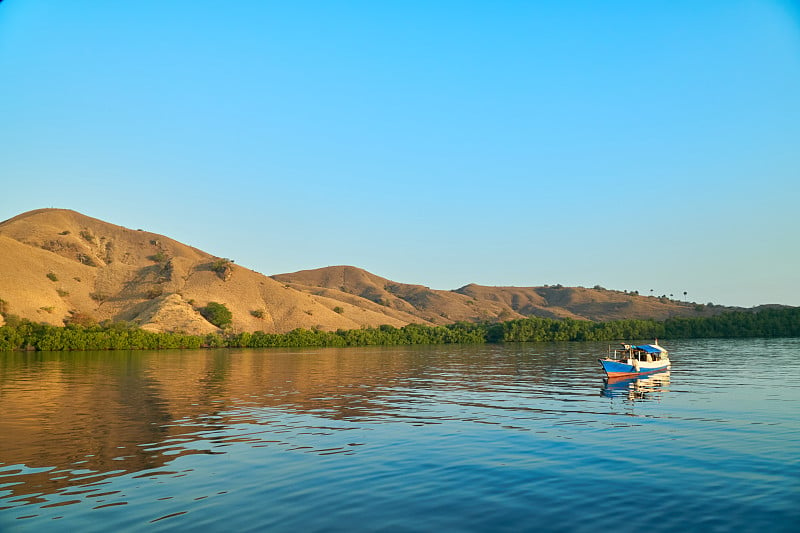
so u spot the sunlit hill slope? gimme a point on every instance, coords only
(58, 266)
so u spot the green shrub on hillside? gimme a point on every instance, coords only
(217, 314)
(223, 268)
(220, 265)
(160, 257)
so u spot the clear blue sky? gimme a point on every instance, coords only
(632, 144)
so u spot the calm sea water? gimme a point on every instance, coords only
(524, 437)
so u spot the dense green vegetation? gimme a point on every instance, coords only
(778, 322)
(217, 314)
(781, 322)
(22, 334)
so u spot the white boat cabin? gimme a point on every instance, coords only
(642, 352)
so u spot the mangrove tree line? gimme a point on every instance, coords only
(20, 334)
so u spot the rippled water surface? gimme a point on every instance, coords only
(459, 438)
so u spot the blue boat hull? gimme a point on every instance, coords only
(615, 368)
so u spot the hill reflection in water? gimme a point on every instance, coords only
(404, 437)
(91, 414)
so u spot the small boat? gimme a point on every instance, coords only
(636, 360)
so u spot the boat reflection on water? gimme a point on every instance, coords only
(645, 388)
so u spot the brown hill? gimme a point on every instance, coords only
(581, 303)
(57, 266)
(359, 287)
(476, 303)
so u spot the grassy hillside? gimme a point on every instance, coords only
(58, 267)
(477, 303)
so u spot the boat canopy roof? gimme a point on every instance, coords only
(650, 348)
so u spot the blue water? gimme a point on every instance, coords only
(525, 437)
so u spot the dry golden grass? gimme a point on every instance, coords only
(55, 263)
(481, 303)
(113, 273)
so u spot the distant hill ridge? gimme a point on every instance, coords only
(477, 303)
(57, 265)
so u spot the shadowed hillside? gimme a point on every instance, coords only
(58, 266)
